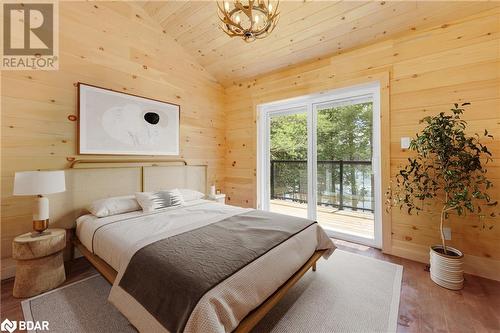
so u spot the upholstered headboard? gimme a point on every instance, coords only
(86, 182)
(193, 177)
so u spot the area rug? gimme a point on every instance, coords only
(347, 293)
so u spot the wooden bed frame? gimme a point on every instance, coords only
(252, 318)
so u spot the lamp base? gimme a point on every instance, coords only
(36, 234)
(39, 226)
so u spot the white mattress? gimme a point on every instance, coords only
(110, 237)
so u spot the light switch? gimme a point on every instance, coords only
(405, 142)
(447, 233)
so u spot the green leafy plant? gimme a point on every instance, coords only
(447, 167)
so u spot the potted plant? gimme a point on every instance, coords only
(447, 171)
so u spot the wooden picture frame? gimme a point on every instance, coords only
(116, 123)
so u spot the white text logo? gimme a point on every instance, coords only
(22, 325)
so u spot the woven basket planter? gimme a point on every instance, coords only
(447, 269)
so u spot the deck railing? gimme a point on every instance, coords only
(341, 184)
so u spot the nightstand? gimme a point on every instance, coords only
(220, 198)
(40, 264)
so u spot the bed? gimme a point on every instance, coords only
(116, 245)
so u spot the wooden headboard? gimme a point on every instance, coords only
(89, 180)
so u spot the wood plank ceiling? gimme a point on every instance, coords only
(307, 30)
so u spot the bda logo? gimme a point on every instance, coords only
(8, 325)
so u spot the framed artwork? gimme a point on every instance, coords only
(115, 123)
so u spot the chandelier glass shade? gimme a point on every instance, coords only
(250, 19)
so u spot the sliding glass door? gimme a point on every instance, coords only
(319, 158)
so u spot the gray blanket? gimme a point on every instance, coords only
(169, 277)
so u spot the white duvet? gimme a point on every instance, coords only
(110, 237)
(115, 239)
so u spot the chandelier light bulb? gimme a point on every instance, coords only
(270, 7)
(256, 20)
(237, 19)
(226, 5)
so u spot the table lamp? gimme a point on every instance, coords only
(39, 183)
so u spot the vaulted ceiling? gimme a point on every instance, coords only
(307, 30)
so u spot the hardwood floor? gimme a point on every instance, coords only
(424, 306)
(10, 307)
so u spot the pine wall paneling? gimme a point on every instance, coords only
(116, 46)
(429, 70)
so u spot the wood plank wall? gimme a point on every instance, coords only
(113, 45)
(429, 70)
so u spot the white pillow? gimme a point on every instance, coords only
(151, 201)
(114, 205)
(190, 195)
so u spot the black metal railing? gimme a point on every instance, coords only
(340, 184)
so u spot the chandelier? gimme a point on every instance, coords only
(250, 19)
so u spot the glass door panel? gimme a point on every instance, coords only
(288, 149)
(344, 177)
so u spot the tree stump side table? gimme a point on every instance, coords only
(40, 264)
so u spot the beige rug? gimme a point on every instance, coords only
(348, 293)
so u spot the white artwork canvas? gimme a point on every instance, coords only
(121, 124)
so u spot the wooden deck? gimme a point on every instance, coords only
(345, 221)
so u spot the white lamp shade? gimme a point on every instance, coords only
(39, 182)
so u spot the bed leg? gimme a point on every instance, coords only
(314, 267)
